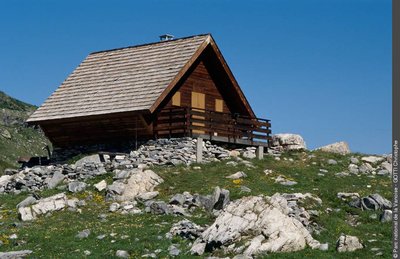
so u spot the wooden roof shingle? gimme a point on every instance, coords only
(120, 80)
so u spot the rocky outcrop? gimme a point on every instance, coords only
(48, 177)
(46, 205)
(261, 220)
(337, 148)
(288, 141)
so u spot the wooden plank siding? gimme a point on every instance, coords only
(199, 81)
(97, 130)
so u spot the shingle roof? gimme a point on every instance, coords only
(119, 80)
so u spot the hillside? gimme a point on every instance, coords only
(16, 139)
(120, 208)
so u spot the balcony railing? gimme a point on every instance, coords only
(219, 126)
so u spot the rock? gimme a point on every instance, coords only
(15, 254)
(76, 186)
(83, 234)
(354, 160)
(177, 199)
(386, 216)
(26, 214)
(232, 163)
(57, 178)
(324, 247)
(372, 159)
(383, 172)
(265, 219)
(146, 196)
(288, 141)
(5, 134)
(158, 208)
(375, 202)
(186, 229)
(92, 159)
(369, 204)
(347, 243)
(173, 250)
(122, 254)
(139, 182)
(332, 162)
(220, 198)
(123, 174)
(4, 180)
(114, 207)
(386, 166)
(267, 172)
(115, 189)
(198, 248)
(282, 180)
(101, 185)
(249, 154)
(237, 175)
(353, 169)
(242, 257)
(337, 148)
(365, 168)
(244, 188)
(348, 195)
(27, 202)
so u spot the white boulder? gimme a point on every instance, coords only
(288, 141)
(372, 159)
(337, 148)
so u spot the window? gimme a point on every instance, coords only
(176, 99)
(219, 105)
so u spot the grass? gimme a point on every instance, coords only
(54, 236)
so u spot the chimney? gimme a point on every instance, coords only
(166, 37)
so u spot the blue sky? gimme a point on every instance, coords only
(319, 68)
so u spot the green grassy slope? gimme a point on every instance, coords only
(54, 236)
(24, 141)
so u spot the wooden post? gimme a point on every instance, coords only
(260, 152)
(199, 150)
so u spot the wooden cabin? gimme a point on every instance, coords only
(172, 88)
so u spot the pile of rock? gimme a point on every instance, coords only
(47, 177)
(175, 151)
(373, 165)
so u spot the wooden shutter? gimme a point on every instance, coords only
(219, 105)
(176, 99)
(198, 100)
